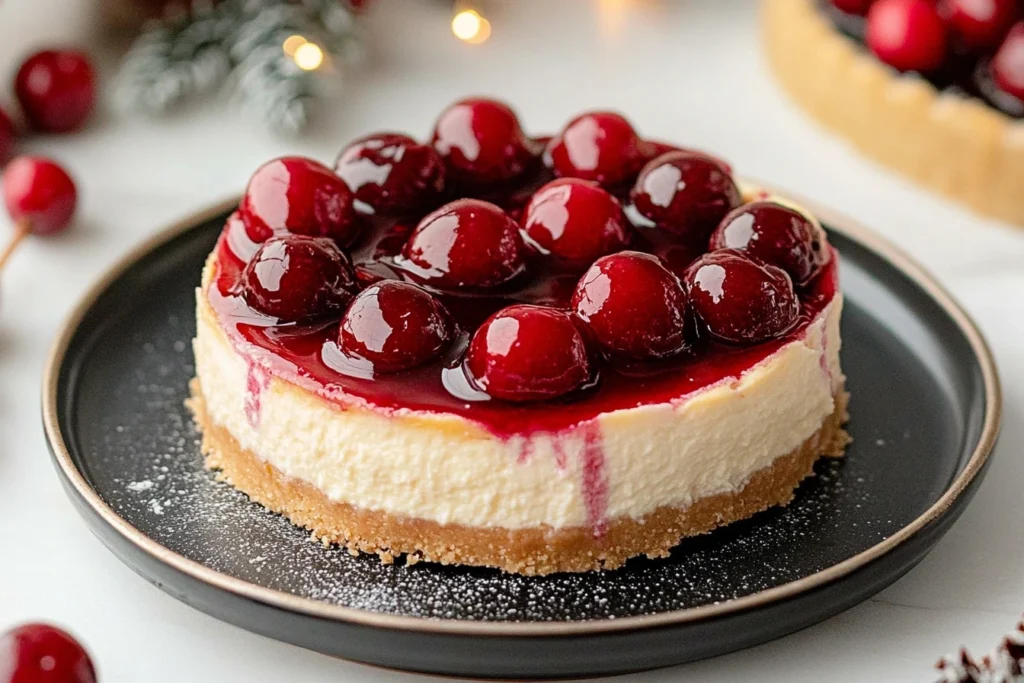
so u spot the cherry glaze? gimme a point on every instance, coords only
(309, 355)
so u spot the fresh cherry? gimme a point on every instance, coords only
(528, 353)
(741, 301)
(1008, 64)
(685, 194)
(775, 234)
(40, 653)
(576, 221)
(39, 194)
(633, 306)
(467, 243)
(858, 7)
(482, 142)
(396, 326)
(908, 35)
(978, 24)
(391, 173)
(295, 278)
(8, 136)
(599, 146)
(296, 195)
(56, 89)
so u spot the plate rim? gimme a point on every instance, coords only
(846, 226)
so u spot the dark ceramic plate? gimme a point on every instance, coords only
(925, 410)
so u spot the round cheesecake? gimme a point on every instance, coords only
(564, 419)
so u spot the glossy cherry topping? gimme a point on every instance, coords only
(40, 653)
(482, 143)
(740, 301)
(978, 24)
(300, 196)
(775, 234)
(295, 278)
(392, 173)
(576, 221)
(395, 326)
(859, 7)
(467, 243)
(56, 89)
(633, 306)
(40, 193)
(685, 194)
(528, 353)
(908, 35)
(1008, 64)
(599, 146)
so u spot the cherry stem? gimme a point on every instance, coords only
(21, 231)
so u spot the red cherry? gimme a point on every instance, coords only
(740, 301)
(482, 142)
(599, 146)
(633, 306)
(979, 24)
(57, 90)
(858, 7)
(39, 193)
(467, 243)
(908, 35)
(685, 194)
(296, 195)
(1008, 64)
(775, 234)
(396, 326)
(528, 353)
(39, 653)
(295, 278)
(576, 221)
(391, 172)
(8, 136)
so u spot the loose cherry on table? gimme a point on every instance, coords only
(978, 24)
(40, 197)
(40, 653)
(908, 35)
(395, 326)
(56, 89)
(482, 142)
(576, 221)
(740, 301)
(467, 243)
(391, 173)
(1008, 63)
(633, 306)
(528, 353)
(295, 278)
(598, 146)
(775, 234)
(296, 195)
(8, 136)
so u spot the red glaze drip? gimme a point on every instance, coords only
(257, 379)
(595, 479)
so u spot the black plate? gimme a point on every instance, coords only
(925, 410)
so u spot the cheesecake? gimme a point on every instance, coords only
(538, 354)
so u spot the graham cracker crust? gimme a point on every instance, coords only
(534, 551)
(957, 146)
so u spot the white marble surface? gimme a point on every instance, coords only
(687, 70)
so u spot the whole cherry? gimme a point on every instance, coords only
(40, 197)
(740, 301)
(1008, 63)
(978, 24)
(466, 243)
(482, 142)
(8, 137)
(775, 234)
(396, 326)
(685, 194)
(633, 306)
(908, 35)
(528, 353)
(599, 146)
(56, 89)
(576, 221)
(300, 196)
(40, 653)
(858, 7)
(295, 278)
(391, 173)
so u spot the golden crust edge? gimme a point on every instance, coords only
(959, 147)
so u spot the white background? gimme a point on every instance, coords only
(689, 71)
